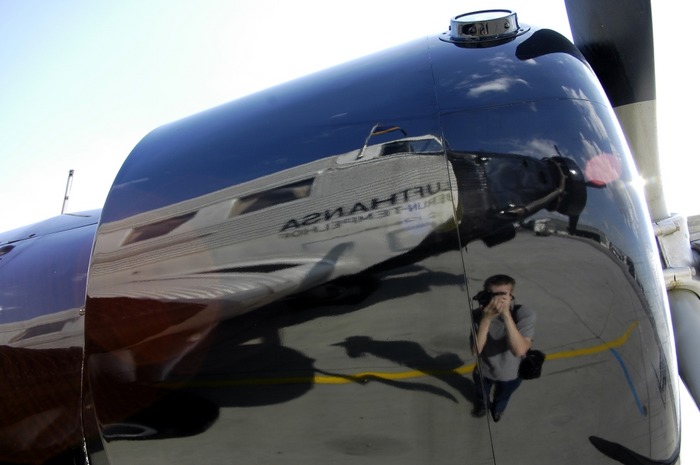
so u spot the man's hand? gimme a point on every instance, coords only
(492, 310)
(499, 305)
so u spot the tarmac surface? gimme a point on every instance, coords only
(388, 378)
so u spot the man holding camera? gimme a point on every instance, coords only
(504, 334)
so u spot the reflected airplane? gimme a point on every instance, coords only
(302, 227)
(305, 296)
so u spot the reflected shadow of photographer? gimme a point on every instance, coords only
(443, 367)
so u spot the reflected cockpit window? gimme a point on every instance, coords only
(423, 145)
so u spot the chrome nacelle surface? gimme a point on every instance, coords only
(288, 278)
(43, 271)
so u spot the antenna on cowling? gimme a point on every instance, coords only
(69, 184)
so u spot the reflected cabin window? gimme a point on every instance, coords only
(157, 229)
(272, 197)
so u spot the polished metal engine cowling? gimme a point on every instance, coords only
(288, 278)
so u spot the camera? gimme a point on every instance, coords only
(483, 297)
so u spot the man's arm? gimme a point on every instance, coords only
(517, 343)
(482, 335)
(489, 312)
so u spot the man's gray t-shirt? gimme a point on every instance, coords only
(497, 361)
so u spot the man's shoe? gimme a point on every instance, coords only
(479, 411)
(497, 416)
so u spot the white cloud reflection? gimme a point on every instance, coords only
(503, 84)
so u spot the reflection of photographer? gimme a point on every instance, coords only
(504, 334)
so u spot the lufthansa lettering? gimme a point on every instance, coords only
(358, 208)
